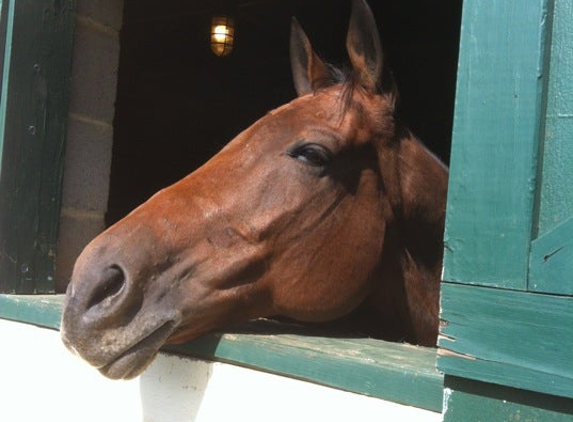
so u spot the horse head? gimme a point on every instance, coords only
(323, 207)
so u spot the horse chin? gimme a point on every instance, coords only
(137, 358)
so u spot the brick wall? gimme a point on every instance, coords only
(90, 129)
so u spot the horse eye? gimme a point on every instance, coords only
(312, 154)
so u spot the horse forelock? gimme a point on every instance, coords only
(349, 95)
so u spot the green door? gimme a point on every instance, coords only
(507, 295)
(551, 263)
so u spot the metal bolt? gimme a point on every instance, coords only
(24, 268)
(32, 130)
(37, 69)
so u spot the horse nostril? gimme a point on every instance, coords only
(111, 284)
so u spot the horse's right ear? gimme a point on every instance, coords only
(363, 45)
(308, 71)
(365, 52)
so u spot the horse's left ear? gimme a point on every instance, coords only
(308, 71)
(364, 47)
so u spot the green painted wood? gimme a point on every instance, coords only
(396, 372)
(471, 401)
(511, 338)
(6, 30)
(3, 27)
(551, 262)
(33, 112)
(42, 310)
(556, 196)
(501, 74)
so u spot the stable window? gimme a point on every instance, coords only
(506, 299)
(167, 74)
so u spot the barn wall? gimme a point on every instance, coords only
(43, 381)
(90, 129)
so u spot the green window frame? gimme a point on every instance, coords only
(36, 61)
(507, 292)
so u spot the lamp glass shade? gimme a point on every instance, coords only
(222, 35)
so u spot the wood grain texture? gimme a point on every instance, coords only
(397, 372)
(511, 338)
(500, 84)
(34, 107)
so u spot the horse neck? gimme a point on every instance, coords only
(421, 210)
(415, 237)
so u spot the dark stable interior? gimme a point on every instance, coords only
(178, 103)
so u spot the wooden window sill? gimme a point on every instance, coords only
(397, 372)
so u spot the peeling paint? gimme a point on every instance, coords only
(450, 353)
(446, 400)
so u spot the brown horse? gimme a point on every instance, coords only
(324, 209)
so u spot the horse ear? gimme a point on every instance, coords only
(364, 48)
(308, 71)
